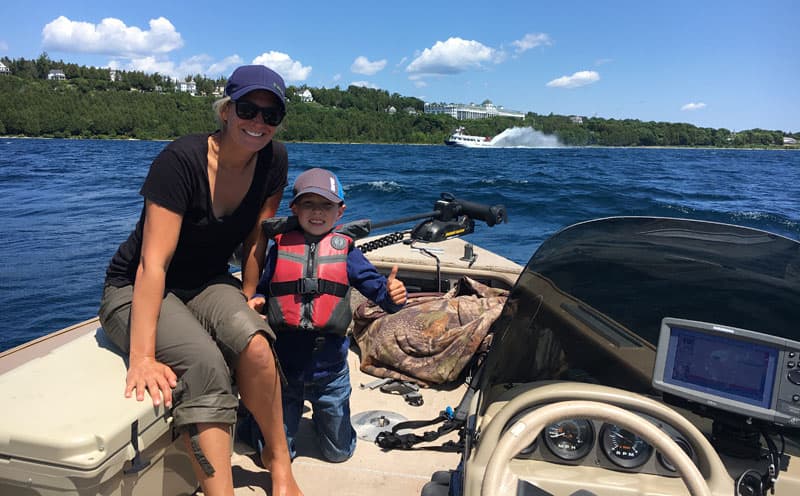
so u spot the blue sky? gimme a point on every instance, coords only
(732, 64)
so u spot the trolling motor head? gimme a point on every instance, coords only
(453, 217)
(449, 207)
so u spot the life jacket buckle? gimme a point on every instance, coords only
(308, 285)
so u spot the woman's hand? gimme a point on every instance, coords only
(148, 373)
(396, 288)
(257, 303)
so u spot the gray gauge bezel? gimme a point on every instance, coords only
(579, 453)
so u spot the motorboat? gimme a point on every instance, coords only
(634, 355)
(459, 138)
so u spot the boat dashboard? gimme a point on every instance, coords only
(595, 454)
(581, 442)
(722, 416)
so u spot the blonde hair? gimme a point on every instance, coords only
(219, 107)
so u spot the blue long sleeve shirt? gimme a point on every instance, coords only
(296, 349)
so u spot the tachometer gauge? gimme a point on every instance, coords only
(569, 439)
(623, 447)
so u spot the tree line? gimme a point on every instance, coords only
(136, 105)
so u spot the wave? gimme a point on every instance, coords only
(525, 137)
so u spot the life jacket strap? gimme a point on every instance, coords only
(308, 286)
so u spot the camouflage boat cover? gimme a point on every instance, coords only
(433, 338)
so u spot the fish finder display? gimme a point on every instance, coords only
(717, 365)
(735, 370)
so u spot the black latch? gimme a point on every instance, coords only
(137, 463)
(308, 285)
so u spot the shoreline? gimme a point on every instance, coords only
(766, 148)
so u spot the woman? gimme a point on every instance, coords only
(169, 301)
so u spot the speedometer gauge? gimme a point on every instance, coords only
(623, 447)
(684, 445)
(569, 439)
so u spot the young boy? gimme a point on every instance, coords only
(306, 282)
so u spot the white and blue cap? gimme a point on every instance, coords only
(318, 181)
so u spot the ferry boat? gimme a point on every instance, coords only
(634, 355)
(458, 138)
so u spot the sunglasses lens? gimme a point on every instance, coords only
(246, 110)
(272, 117)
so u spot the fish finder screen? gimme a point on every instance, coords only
(721, 366)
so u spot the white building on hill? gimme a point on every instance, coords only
(463, 112)
(56, 75)
(305, 96)
(186, 87)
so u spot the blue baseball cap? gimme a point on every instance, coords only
(249, 78)
(318, 181)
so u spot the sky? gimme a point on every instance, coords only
(722, 64)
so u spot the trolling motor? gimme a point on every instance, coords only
(453, 217)
(450, 218)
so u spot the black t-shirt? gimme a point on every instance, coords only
(178, 181)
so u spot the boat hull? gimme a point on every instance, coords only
(468, 144)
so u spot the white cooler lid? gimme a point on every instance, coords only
(68, 407)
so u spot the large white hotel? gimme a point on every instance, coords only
(471, 111)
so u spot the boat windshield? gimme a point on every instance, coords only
(589, 304)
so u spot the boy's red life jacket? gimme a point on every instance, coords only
(309, 289)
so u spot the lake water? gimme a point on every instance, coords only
(65, 205)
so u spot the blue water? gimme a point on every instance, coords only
(66, 205)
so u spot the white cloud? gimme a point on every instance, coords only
(600, 62)
(337, 77)
(531, 40)
(150, 65)
(225, 66)
(3, 46)
(199, 64)
(111, 37)
(362, 65)
(364, 84)
(693, 106)
(453, 56)
(580, 78)
(291, 70)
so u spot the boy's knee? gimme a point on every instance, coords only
(340, 449)
(338, 456)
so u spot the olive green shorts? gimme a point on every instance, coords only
(200, 338)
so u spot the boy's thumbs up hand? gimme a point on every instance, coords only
(395, 288)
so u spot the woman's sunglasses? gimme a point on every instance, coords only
(247, 110)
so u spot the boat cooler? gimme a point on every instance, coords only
(67, 428)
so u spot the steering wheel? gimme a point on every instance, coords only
(538, 395)
(498, 479)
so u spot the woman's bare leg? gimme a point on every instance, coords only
(215, 444)
(259, 387)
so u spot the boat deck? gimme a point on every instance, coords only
(370, 470)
